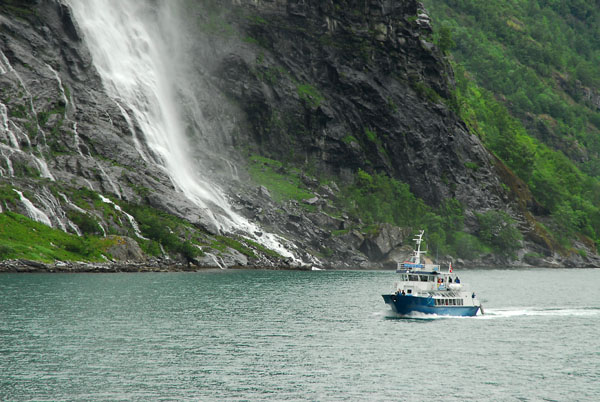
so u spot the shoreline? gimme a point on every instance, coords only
(28, 266)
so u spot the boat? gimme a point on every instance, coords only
(427, 289)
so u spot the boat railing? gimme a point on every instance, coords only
(410, 266)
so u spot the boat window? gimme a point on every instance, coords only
(423, 278)
(404, 277)
(413, 278)
(409, 291)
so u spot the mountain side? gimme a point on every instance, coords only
(323, 103)
(74, 153)
(526, 70)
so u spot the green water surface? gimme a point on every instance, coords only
(285, 335)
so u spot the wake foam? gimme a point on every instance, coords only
(534, 311)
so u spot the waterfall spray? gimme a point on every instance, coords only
(132, 44)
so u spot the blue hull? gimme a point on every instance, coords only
(410, 304)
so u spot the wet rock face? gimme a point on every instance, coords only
(342, 85)
(348, 85)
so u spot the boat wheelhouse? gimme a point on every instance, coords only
(426, 288)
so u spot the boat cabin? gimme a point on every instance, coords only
(420, 282)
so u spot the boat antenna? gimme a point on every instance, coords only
(418, 252)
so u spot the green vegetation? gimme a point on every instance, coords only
(523, 69)
(373, 199)
(216, 25)
(27, 239)
(177, 236)
(16, 8)
(162, 233)
(262, 248)
(283, 183)
(377, 198)
(86, 223)
(221, 243)
(310, 95)
(162, 229)
(371, 135)
(498, 230)
(425, 91)
(349, 139)
(471, 165)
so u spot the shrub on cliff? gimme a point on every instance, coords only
(498, 230)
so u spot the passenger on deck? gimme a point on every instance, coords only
(449, 279)
(457, 280)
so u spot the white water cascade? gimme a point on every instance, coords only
(33, 212)
(134, 46)
(9, 131)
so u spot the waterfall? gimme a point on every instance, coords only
(33, 212)
(125, 38)
(61, 87)
(131, 219)
(135, 48)
(8, 137)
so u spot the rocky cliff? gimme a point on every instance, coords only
(324, 87)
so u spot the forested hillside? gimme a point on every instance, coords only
(528, 83)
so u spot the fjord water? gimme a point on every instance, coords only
(290, 335)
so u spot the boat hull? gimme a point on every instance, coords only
(405, 305)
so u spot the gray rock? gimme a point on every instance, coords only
(386, 238)
(125, 249)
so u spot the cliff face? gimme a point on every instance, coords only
(342, 86)
(348, 85)
(330, 86)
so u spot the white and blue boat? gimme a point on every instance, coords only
(424, 288)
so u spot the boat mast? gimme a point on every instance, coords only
(418, 251)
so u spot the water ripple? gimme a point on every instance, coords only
(301, 336)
